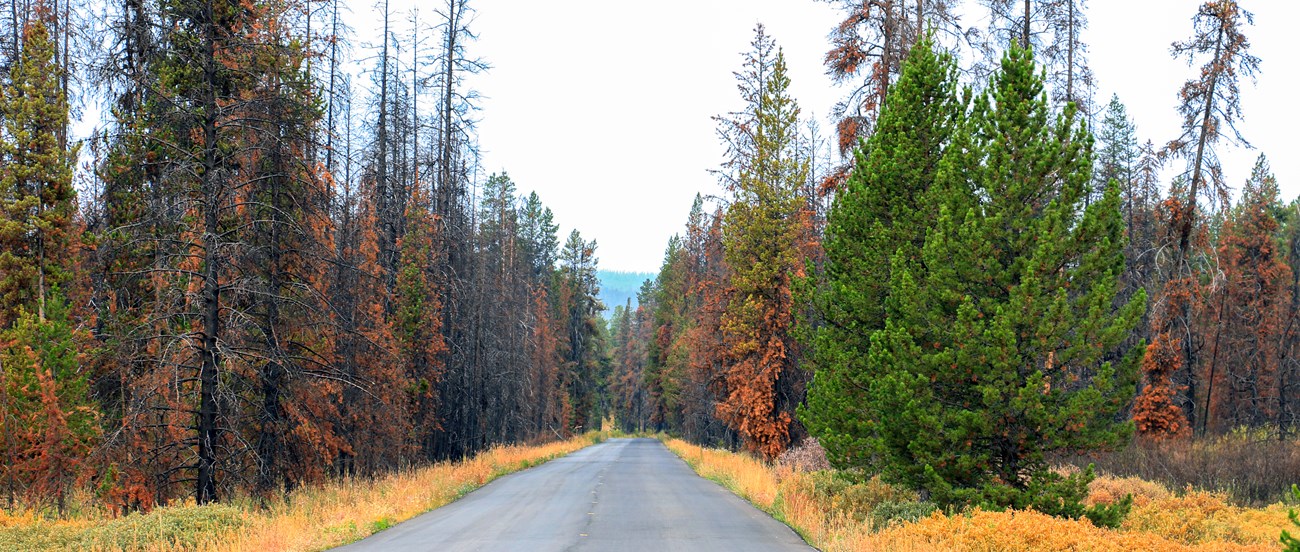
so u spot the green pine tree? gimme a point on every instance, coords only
(1117, 153)
(37, 199)
(663, 369)
(1290, 543)
(1002, 339)
(418, 317)
(883, 206)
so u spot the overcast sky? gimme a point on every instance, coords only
(603, 106)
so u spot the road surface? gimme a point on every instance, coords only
(623, 494)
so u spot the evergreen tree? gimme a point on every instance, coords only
(1289, 365)
(374, 421)
(37, 200)
(1117, 153)
(1246, 313)
(868, 50)
(1210, 107)
(1120, 158)
(579, 306)
(662, 371)
(51, 420)
(538, 236)
(281, 257)
(418, 321)
(760, 239)
(48, 417)
(1002, 338)
(882, 207)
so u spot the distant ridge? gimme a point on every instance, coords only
(616, 287)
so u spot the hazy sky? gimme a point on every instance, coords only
(603, 106)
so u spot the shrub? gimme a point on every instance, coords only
(1292, 544)
(889, 513)
(1199, 517)
(837, 492)
(1251, 469)
(837, 511)
(809, 456)
(178, 527)
(1109, 490)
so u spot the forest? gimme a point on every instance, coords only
(260, 275)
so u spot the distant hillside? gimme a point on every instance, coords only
(617, 287)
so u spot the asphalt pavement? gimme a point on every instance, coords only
(620, 495)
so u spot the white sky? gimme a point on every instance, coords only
(603, 106)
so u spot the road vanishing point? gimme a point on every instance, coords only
(620, 495)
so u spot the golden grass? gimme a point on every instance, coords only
(837, 521)
(311, 518)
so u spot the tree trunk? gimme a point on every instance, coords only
(206, 490)
(1185, 233)
(920, 19)
(886, 56)
(334, 67)
(384, 193)
(1069, 54)
(1214, 361)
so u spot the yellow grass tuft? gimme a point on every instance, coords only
(834, 514)
(311, 518)
(1198, 517)
(1027, 531)
(1107, 490)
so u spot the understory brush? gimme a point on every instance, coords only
(1250, 468)
(836, 511)
(313, 517)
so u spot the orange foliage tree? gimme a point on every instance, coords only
(374, 423)
(1161, 409)
(1245, 313)
(1210, 106)
(761, 231)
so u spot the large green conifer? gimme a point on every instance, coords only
(883, 206)
(1002, 341)
(1002, 334)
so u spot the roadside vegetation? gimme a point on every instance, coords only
(840, 511)
(313, 517)
(1005, 335)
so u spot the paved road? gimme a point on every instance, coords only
(623, 494)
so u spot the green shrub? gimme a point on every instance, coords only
(840, 492)
(890, 513)
(183, 526)
(1291, 543)
(178, 526)
(381, 524)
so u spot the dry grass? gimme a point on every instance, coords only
(835, 514)
(1108, 489)
(825, 526)
(1251, 468)
(311, 518)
